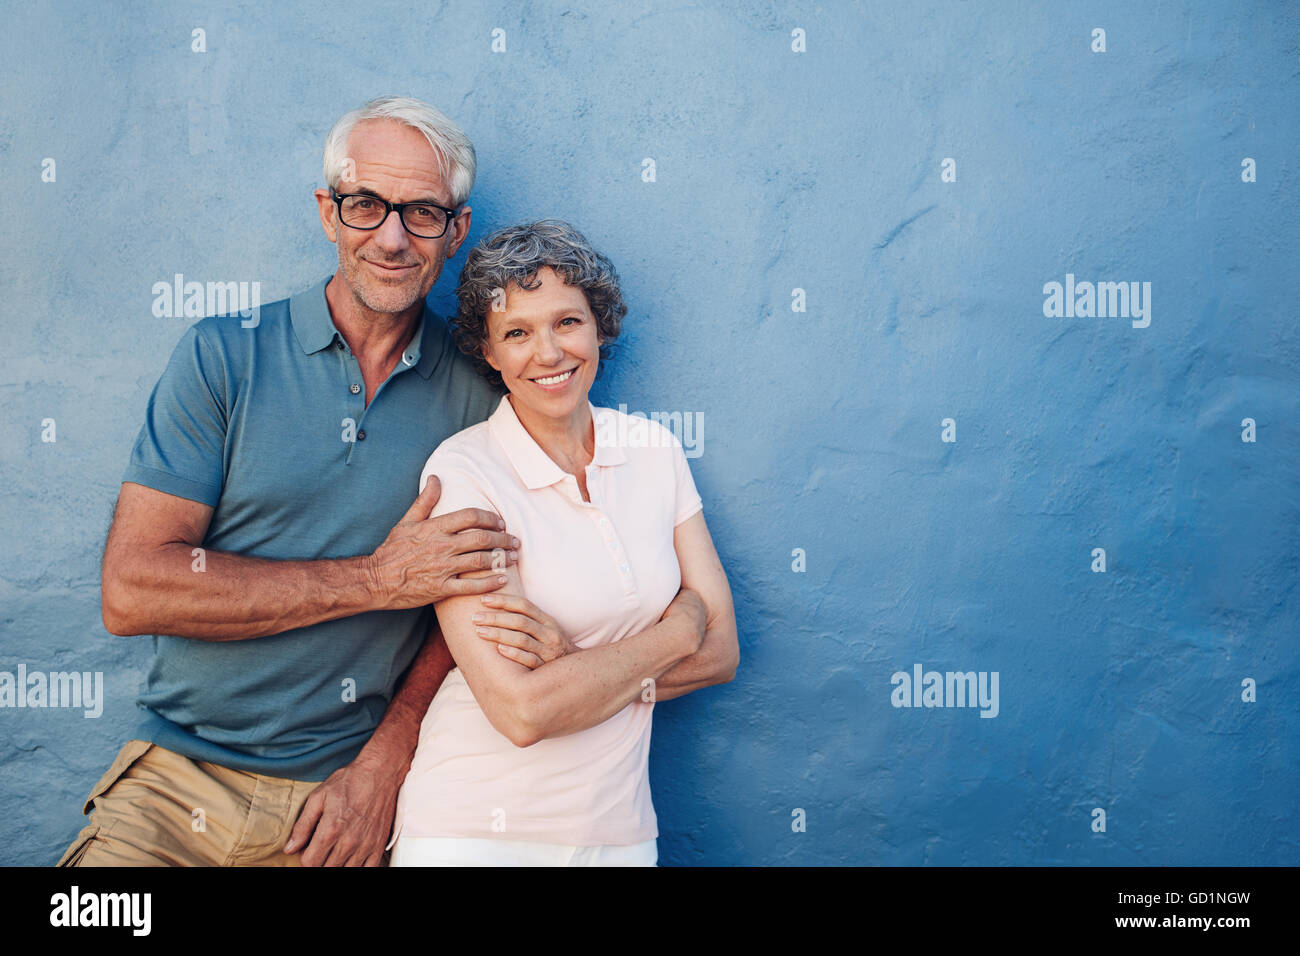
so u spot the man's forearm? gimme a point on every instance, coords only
(393, 743)
(219, 596)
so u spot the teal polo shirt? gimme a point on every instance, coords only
(269, 426)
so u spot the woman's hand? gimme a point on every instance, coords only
(690, 604)
(521, 630)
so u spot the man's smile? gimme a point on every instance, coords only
(392, 268)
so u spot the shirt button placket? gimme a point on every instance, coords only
(619, 555)
(356, 403)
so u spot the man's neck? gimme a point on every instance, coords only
(374, 337)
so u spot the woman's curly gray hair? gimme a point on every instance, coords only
(514, 255)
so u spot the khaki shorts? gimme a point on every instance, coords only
(156, 808)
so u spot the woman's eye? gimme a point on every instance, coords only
(512, 332)
(571, 318)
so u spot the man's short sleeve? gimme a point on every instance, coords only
(462, 483)
(181, 446)
(687, 498)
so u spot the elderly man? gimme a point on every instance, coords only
(265, 533)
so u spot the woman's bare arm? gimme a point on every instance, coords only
(716, 660)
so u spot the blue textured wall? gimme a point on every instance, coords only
(776, 170)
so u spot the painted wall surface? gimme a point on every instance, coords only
(838, 269)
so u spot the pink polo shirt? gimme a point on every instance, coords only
(603, 569)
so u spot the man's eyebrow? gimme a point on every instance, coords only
(367, 191)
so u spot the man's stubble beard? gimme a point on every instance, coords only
(373, 294)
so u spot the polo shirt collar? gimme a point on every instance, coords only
(314, 328)
(311, 320)
(535, 468)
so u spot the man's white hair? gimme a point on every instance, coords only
(454, 150)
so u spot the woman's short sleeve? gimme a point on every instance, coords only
(462, 483)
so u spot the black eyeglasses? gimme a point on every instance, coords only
(424, 220)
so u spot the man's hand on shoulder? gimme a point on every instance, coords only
(420, 560)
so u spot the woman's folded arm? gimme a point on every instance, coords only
(719, 654)
(571, 693)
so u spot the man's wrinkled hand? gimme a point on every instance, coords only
(347, 820)
(424, 559)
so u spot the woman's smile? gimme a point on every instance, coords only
(557, 382)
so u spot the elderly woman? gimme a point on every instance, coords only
(535, 750)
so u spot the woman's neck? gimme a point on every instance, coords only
(570, 442)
